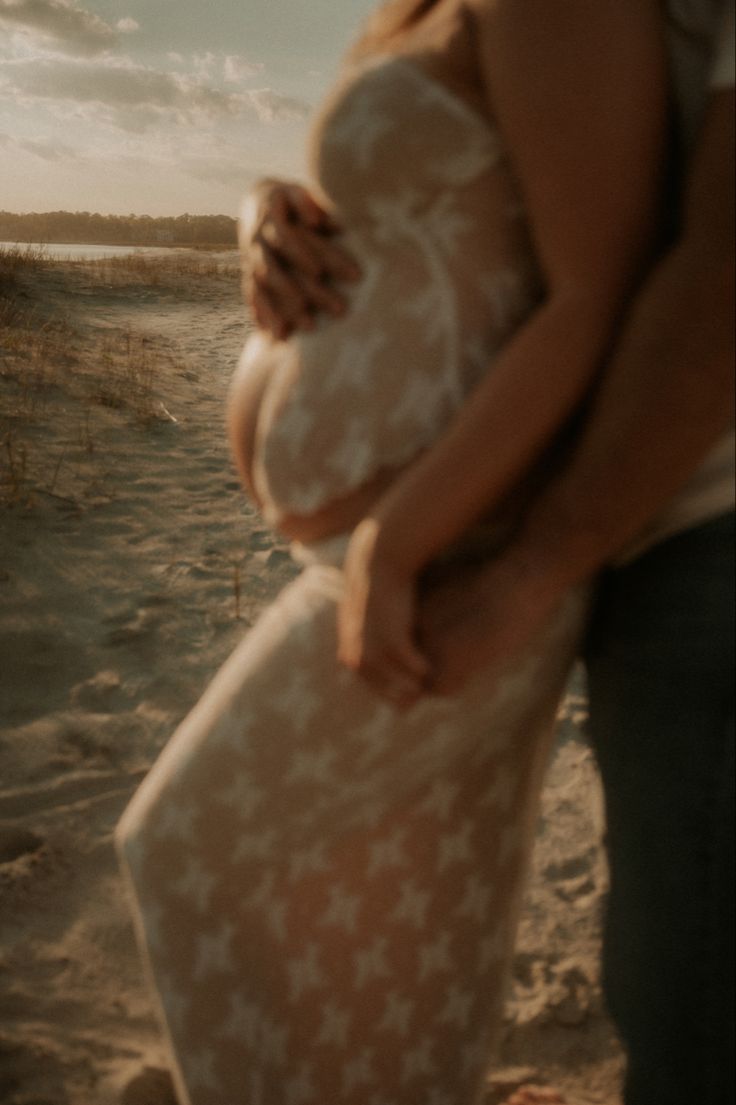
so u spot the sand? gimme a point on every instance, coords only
(130, 565)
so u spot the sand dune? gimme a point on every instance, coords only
(130, 565)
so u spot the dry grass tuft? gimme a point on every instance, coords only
(154, 270)
(62, 385)
(17, 261)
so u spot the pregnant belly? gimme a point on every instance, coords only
(256, 377)
(324, 420)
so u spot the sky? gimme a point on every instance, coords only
(159, 107)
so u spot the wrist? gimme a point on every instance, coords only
(376, 538)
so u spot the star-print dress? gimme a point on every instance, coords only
(326, 889)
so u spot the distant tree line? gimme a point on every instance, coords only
(82, 226)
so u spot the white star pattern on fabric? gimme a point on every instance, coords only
(440, 799)
(213, 952)
(242, 796)
(370, 963)
(342, 909)
(263, 893)
(255, 845)
(200, 1069)
(375, 735)
(418, 1062)
(300, 1089)
(175, 1000)
(309, 860)
(435, 956)
(177, 823)
(398, 1014)
(455, 847)
(412, 905)
(470, 163)
(242, 1021)
(359, 129)
(273, 1043)
(275, 911)
(502, 789)
(389, 852)
(476, 900)
(335, 1026)
(154, 925)
(294, 427)
(457, 1007)
(305, 972)
(353, 366)
(509, 844)
(491, 951)
(354, 454)
(446, 222)
(421, 406)
(358, 1071)
(474, 1058)
(196, 884)
(312, 765)
(299, 700)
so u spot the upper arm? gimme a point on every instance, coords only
(578, 89)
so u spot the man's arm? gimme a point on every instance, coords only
(667, 394)
(666, 398)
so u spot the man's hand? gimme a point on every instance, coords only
(290, 258)
(376, 621)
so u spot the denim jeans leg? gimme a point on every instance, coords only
(660, 658)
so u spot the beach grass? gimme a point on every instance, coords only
(56, 369)
(154, 270)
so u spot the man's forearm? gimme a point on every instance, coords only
(665, 400)
(667, 393)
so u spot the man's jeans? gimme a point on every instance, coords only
(660, 660)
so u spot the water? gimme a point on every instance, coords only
(78, 251)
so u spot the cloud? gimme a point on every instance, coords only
(134, 96)
(236, 70)
(232, 172)
(127, 26)
(272, 107)
(48, 151)
(62, 24)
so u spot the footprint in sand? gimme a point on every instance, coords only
(16, 843)
(152, 1087)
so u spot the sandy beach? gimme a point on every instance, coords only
(130, 566)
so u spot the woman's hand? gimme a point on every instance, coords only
(290, 258)
(376, 620)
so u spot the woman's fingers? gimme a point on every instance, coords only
(273, 295)
(292, 258)
(392, 682)
(312, 260)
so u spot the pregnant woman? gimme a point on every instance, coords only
(326, 882)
